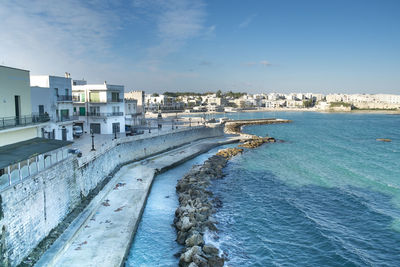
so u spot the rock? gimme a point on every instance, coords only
(195, 239)
(185, 224)
(216, 261)
(210, 250)
(181, 238)
(192, 264)
(384, 139)
(200, 261)
(187, 256)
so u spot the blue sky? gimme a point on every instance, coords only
(350, 46)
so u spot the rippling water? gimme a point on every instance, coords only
(328, 196)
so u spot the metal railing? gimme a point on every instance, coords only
(64, 98)
(98, 114)
(11, 122)
(67, 118)
(119, 100)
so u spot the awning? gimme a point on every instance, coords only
(17, 152)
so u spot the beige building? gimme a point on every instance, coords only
(17, 123)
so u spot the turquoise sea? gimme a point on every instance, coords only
(328, 196)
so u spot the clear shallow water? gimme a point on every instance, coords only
(328, 196)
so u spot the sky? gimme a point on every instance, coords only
(320, 46)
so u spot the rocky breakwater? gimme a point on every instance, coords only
(234, 126)
(193, 217)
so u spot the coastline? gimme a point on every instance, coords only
(355, 111)
(197, 204)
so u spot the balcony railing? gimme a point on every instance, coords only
(67, 118)
(64, 98)
(21, 121)
(98, 114)
(115, 100)
(119, 100)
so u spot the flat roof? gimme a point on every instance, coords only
(13, 68)
(17, 152)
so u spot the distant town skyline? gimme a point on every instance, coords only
(181, 45)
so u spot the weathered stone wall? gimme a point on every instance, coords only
(32, 208)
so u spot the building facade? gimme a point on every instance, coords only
(52, 97)
(17, 123)
(100, 107)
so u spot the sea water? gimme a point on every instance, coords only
(328, 196)
(154, 243)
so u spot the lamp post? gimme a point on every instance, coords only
(91, 132)
(172, 124)
(190, 122)
(148, 123)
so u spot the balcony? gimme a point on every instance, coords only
(21, 121)
(100, 101)
(115, 100)
(64, 98)
(67, 118)
(102, 115)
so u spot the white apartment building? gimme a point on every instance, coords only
(100, 107)
(17, 123)
(51, 96)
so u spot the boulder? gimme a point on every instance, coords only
(186, 224)
(216, 261)
(195, 239)
(200, 261)
(187, 256)
(210, 250)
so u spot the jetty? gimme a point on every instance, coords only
(234, 126)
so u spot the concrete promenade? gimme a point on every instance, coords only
(102, 234)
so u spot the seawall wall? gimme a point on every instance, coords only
(30, 209)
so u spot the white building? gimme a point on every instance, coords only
(132, 116)
(51, 97)
(100, 107)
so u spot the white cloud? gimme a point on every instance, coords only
(245, 23)
(177, 21)
(55, 36)
(265, 63)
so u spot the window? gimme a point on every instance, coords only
(115, 109)
(56, 91)
(94, 97)
(41, 109)
(114, 97)
(66, 91)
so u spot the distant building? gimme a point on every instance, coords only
(52, 97)
(17, 122)
(100, 107)
(139, 96)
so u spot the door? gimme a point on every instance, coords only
(115, 127)
(41, 110)
(82, 111)
(17, 99)
(64, 114)
(64, 134)
(95, 127)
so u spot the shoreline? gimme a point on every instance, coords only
(197, 204)
(356, 111)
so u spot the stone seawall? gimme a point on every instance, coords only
(32, 208)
